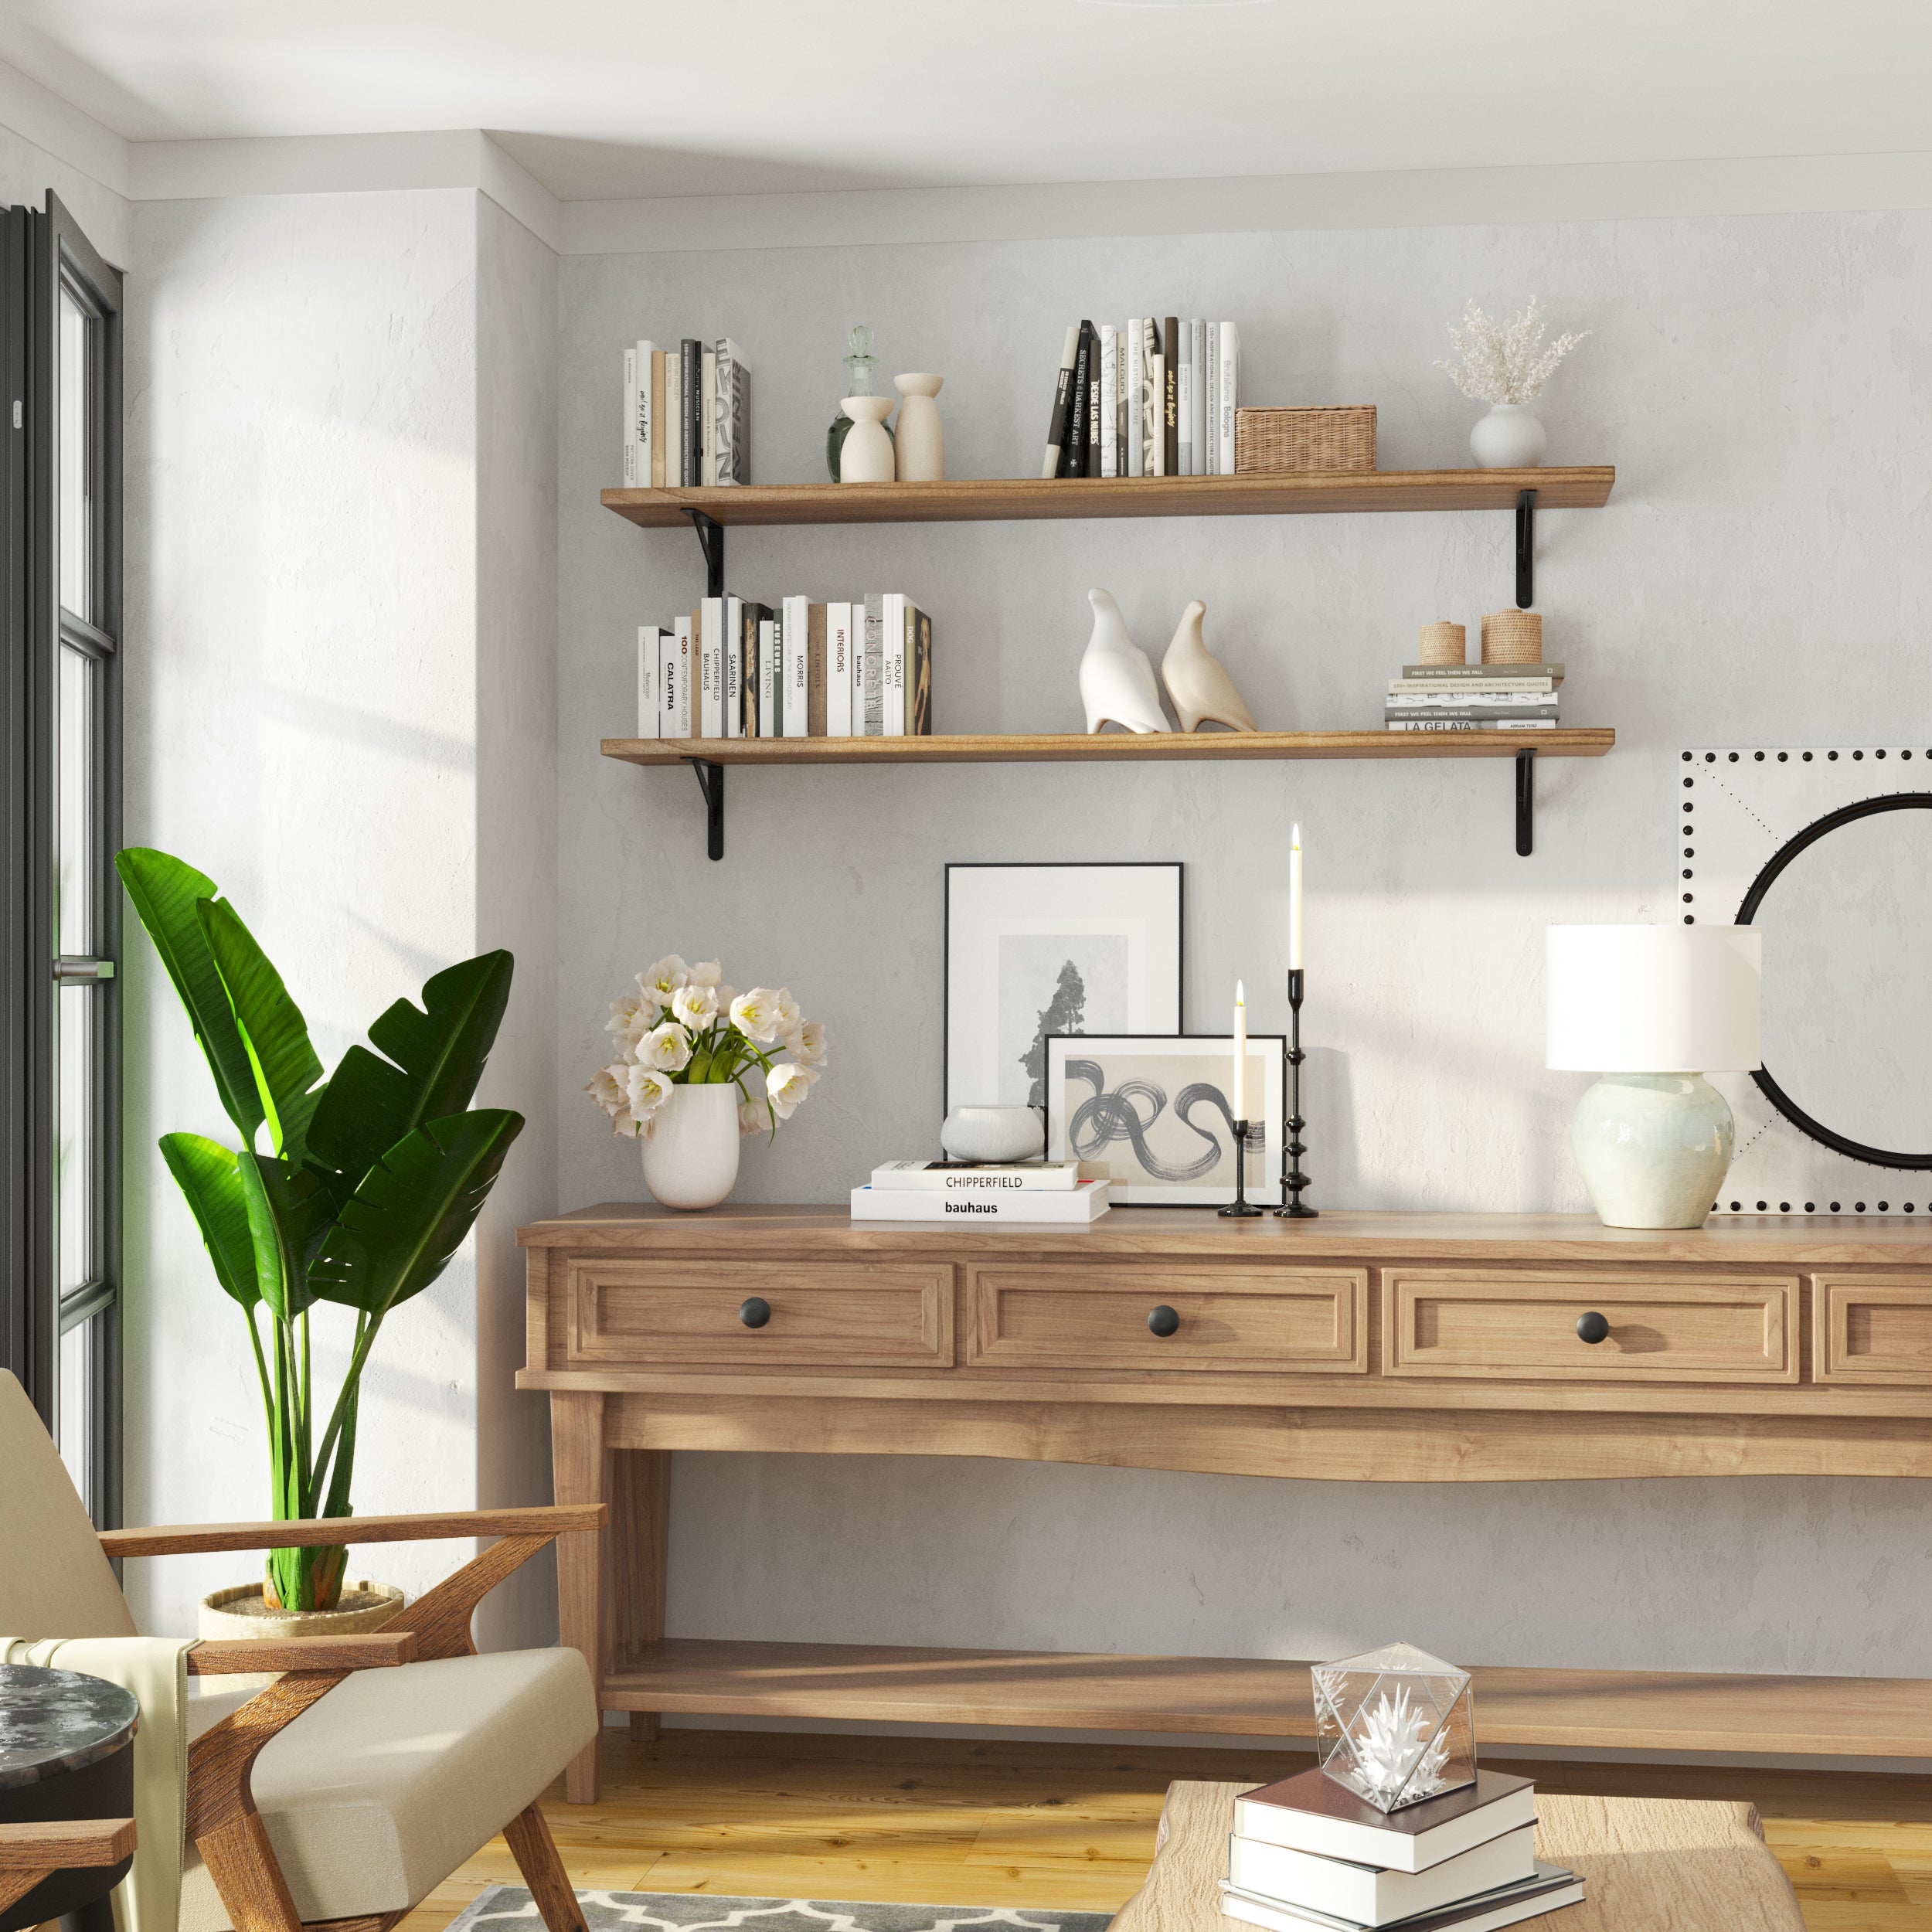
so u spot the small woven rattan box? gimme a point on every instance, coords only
(1272, 439)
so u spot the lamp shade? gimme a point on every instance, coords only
(1653, 999)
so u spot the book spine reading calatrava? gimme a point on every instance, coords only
(1170, 396)
(1062, 404)
(1073, 457)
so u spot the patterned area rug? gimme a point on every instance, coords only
(509, 1908)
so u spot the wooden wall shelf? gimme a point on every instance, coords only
(1031, 499)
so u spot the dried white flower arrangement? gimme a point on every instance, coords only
(1505, 363)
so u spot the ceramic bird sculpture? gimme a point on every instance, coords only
(1198, 686)
(1117, 680)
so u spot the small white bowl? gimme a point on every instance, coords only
(994, 1134)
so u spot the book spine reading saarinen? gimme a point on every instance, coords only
(1073, 457)
(1062, 404)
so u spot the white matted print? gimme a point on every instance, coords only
(1155, 1110)
(1033, 950)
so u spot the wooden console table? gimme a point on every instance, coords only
(1388, 1348)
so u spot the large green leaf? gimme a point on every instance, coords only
(206, 1173)
(289, 1213)
(165, 892)
(273, 1032)
(438, 1052)
(412, 1210)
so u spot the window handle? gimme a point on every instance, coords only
(67, 966)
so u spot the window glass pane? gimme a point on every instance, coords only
(77, 521)
(74, 1412)
(72, 907)
(73, 1146)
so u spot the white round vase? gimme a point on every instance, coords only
(1654, 1148)
(691, 1151)
(1508, 438)
(994, 1134)
(921, 444)
(866, 455)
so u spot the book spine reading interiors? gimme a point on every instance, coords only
(1062, 405)
(839, 655)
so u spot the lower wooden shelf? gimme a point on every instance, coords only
(1575, 1710)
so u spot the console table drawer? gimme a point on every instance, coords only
(1663, 1328)
(644, 1313)
(1301, 1321)
(1867, 1330)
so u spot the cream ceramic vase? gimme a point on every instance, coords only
(1198, 686)
(1654, 1148)
(1508, 438)
(866, 455)
(921, 446)
(1117, 682)
(690, 1150)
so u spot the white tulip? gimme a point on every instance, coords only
(695, 1007)
(806, 1043)
(607, 1088)
(707, 972)
(630, 1018)
(752, 1118)
(786, 1087)
(785, 1010)
(666, 1048)
(647, 1090)
(758, 1015)
(660, 982)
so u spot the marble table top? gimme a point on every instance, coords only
(55, 1721)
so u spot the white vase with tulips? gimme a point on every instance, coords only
(699, 1065)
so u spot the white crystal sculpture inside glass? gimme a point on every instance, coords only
(1395, 1725)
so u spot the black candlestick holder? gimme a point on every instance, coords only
(1293, 1179)
(1238, 1209)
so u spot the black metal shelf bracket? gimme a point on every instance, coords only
(711, 541)
(1526, 549)
(1525, 803)
(711, 783)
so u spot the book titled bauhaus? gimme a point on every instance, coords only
(1085, 1201)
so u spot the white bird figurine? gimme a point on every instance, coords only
(1117, 680)
(1198, 684)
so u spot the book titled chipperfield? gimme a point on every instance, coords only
(1086, 1201)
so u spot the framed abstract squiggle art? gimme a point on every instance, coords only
(1155, 1109)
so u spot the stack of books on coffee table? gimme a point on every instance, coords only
(1308, 1853)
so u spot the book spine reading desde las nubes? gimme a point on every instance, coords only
(1062, 404)
(1094, 408)
(1073, 457)
(691, 379)
(919, 699)
(1109, 377)
(839, 680)
(874, 662)
(1170, 397)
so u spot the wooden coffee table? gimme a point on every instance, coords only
(1648, 1865)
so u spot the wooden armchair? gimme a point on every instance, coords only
(30, 1854)
(343, 1793)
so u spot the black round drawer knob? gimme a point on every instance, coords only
(1592, 1327)
(1163, 1321)
(755, 1311)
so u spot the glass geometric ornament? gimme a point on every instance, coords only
(1395, 1725)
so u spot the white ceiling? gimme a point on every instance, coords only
(608, 99)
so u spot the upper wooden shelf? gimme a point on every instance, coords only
(1030, 499)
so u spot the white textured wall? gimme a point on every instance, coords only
(27, 171)
(1763, 385)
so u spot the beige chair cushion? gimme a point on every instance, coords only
(373, 1796)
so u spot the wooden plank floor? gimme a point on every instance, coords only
(956, 1822)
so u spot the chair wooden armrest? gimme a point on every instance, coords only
(372, 1650)
(29, 1853)
(183, 1540)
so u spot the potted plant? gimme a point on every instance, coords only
(352, 1192)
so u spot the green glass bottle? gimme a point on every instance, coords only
(859, 361)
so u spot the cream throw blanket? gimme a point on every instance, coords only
(156, 1670)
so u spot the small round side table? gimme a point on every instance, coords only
(66, 1751)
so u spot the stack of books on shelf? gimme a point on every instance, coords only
(1153, 398)
(1073, 1191)
(687, 414)
(1307, 1852)
(735, 668)
(1474, 697)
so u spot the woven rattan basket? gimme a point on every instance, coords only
(1512, 636)
(1270, 440)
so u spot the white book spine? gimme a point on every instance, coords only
(1136, 380)
(1155, 427)
(675, 682)
(892, 667)
(1211, 446)
(734, 667)
(871, 711)
(796, 669)
(646, 428)
(1196, 350)
(838, 670)
(647, 674)
(1184, 408)
(1230, 394)
(711, 667)
(771, 689)
(1084, 1203)
(673, 416)
(630, 478)
(1109, 377)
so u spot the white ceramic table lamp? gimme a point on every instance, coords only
(1653, 1009)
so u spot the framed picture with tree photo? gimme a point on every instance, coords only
(1034, 949)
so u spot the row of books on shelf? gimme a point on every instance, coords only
(735, 668)
(1155, 398)
(687, 414)
(1475, 697)
(1063, 1191)
(1308, 1852)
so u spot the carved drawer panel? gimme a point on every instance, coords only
(1300, 1321)
(651, 1313)
(1871, 1330)
(1662, 1328)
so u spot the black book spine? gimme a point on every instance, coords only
(1095, 368)
(1171, 399)
(1073, 451)
(691, 462)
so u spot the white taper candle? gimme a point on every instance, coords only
(1238, 1099)
(1294, 900)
